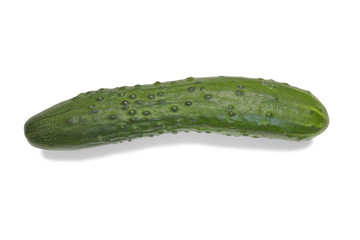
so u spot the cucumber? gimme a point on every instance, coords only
(234, 106)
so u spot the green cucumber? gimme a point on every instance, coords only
(234, 106)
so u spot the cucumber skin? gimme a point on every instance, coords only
(234, 106)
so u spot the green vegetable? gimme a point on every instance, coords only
(235, 106)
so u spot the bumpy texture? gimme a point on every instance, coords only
(235, 106)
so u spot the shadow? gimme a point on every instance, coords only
(191, 138)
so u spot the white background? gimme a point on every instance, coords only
(184, 186)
